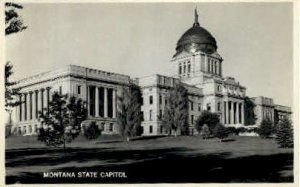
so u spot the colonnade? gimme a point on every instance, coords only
(233, 112)
(31, 103)
(102, 102)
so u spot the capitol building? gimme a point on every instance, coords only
(196, 63)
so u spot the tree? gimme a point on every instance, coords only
(220, 131)
(13, 21)
(129, 114)
(284, 134)
(60, 123)
(208, 118)
(13, 24)
(205, 132)
(250, 117)
(11, 93)
(91, 131)
(266, 128)
(176, 110)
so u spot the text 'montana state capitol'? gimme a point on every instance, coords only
(196, 63)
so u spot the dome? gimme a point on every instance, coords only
(196, 39)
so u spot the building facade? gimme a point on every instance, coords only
(196, 63)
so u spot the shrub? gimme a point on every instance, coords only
(208, 118)
(205, 132)
(220, 131)
(91, 131)
(265, 129)
(232, 130)
(284, 134)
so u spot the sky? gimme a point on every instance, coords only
(254, 39)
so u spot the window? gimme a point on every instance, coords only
(160, 99)
(150, 115)
(30, 129)
(111, 127)
(151, 100)
(19, 131)
(166, 101)
(35, 128)
(142, 115)
(161, 129)
(189, 67)
(180, 69)
(192, 119)
(219, 106)
(199, 107)
(78, 89)
(208, 107)
(60, 90)
(142, 101)
(160, 113)
(192, 106)
(24, 130)
(150, 129)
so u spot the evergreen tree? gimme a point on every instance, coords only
(91, 131)
(13, 21)
(220, 131)
(284, 134)
(266, 128)
(129, 114)
(60, 123)
(208, 118)
(205, 132)
(176, 110)
(250, 118)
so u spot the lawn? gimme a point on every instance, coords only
(183, 159)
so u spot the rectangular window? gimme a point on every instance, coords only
(192, 119)
(150, 115)
(78, 89)
(160, 99)
(60, 90)
(166, 101)
(151, 100)
(150, 129)
(219, 106)
(142, 101)
(199, 107)
(160, 113)
(192, 106)
(142, 115)
(111, 127)
(161, 129)
(208, 107)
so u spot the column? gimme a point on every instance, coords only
(114, 106)
(40, 101)
(28, 106)
(227, 112)
(34, 105)
(242, 108)
(45, 100)
(105, 102)
(224, 113)
(237, 110)
(232, 113)
(96, 101)
(18, 109)
(88, 99)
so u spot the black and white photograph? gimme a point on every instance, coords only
(150, 93)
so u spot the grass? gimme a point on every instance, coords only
(153, 160)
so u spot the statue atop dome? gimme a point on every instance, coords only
(196, 23)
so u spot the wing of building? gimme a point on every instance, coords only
(196, 63)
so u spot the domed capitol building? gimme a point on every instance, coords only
(196, 63)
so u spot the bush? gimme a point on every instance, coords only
(265, 129)
(221, 132)
(91, 131)
(232, 130)
(284, 134)
(205, 132)
(208, 118)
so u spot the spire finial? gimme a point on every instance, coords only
(196, 23)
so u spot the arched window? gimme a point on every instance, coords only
(189, 66)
